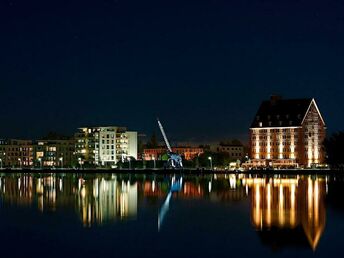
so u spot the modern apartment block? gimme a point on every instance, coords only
(105, 146)
(287, 133)
(16, 153)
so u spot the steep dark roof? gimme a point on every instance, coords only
(279, 112)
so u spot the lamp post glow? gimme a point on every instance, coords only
(1, 163)
(211, 163)
(19, 161)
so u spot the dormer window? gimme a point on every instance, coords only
(287, 116)
(257, 117)
(269, 117)
(290, 122)
(278, 116)
(280, 122)
(260, 124)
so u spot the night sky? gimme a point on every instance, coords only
(202, 67)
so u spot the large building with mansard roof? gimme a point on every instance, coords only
(287, 133)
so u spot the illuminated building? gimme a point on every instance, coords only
(105, 146)
(287, 133)
(188, 153)
(54, 153)
(16, 153)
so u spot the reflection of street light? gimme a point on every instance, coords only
(80, 164)
(154, 162)
(40, 162)
(129, 162)
(211, 163)
(61, 161)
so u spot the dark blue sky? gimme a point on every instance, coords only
(203, 67)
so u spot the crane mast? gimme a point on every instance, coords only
(165, 137)
(174, 160)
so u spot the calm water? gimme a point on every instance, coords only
(56, 215)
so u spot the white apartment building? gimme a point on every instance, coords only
(105, 146)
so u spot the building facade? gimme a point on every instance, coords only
(55, 153)
(188, 153)
(287, 133)
(235, 151)
(105, 146)
(15, 153)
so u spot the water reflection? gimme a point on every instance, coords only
(288, 209)
(97, 200)
(284, 210)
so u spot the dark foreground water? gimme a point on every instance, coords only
(98, 215)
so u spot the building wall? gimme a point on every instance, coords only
(189, 153)
(313, 134)
(234, 152)
(132, 144)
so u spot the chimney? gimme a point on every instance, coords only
(274, 99)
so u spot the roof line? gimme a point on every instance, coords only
(316, 106)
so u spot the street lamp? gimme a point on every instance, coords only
(211, 163)
(154, 162)
(61, 162)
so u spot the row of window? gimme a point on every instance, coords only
(275, 150)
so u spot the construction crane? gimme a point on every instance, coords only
(174, 159)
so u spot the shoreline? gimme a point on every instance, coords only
(176, 171)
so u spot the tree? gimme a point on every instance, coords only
(334, 147)
(152, 143)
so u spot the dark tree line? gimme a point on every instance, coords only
(334, 146)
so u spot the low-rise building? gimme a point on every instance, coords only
(16, 153)
(188, 153)
(105, 146)
(235, 150)
(55, 153)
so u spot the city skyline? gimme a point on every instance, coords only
(202, 67)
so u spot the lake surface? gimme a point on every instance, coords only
(122, 215)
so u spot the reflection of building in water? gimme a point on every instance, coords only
(101, 201)
(97, 200)
(26, 190)
(227, 188)
(289, 204)
(190, 190)
(17, 190)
